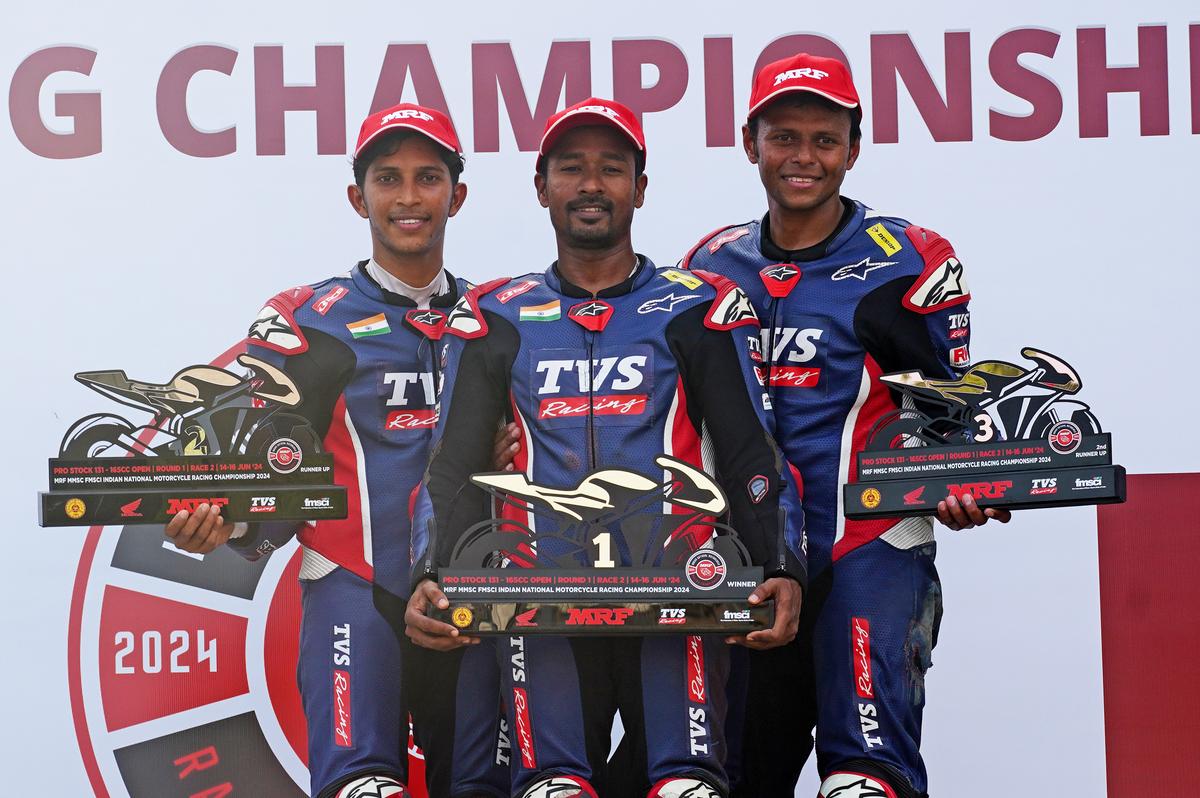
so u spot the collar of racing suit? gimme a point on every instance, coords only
(772, 251)
(371, 287)
(636, 279)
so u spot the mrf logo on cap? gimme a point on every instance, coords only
(806, 72)
(428, 122)
(826, 77)
(592, 111)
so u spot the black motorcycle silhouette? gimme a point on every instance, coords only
(202, 410)
(993, 400)
(585, 515)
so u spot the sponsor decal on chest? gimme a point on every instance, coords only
(511, 293)
(860, 270)
(327, 301)
(615, 383)
(409, 400)
(727, 237)
(886, 241)
(796, 353)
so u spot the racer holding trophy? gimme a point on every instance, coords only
(845, 294)
(361, 347)
(604, 360)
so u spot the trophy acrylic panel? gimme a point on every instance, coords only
(213, 437)
(1010, 437)
(619, 553)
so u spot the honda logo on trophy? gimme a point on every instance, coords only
(1008, 436)
(213, 437)
(553, 561)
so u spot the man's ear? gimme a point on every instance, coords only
(357, 200)
(639, 190)
(749, 144)
(458, 197)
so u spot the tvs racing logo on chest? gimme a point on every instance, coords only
(794, 356)
(414, 392)
(610, 385)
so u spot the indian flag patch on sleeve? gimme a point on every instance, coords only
(373, 325)
(550, 311)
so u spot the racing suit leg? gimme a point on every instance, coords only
(873, 645)
(544, 693)
(349, 676)
(781, 707)
(683, 682)
(454, 697)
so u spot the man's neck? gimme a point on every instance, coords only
(793, 230)
(594, 270)
(417, 270)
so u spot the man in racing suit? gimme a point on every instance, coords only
(361, 348)
(605, 361)
(845, 293)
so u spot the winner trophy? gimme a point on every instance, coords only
(1010, 437)
(215, 437)
(548, 562)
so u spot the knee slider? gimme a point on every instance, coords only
(683, 788)
(563, 786)
(373, 786)
(854, 785)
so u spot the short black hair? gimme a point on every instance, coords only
(805, 99)
(390, 142)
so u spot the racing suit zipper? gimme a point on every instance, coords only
(769, 355)
(591, 416)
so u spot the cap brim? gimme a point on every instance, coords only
(576, 119)
(849, 104)
(394, 125)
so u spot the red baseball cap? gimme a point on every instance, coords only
(828, 77)
(434, 124)
(592, 111)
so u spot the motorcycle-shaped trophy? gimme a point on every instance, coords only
(214, 437)
(1010, 437)
(547, 562)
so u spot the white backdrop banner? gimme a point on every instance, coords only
(168, 167)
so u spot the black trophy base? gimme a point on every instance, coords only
(1009, 490)
(158, 506)
(606, 618)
